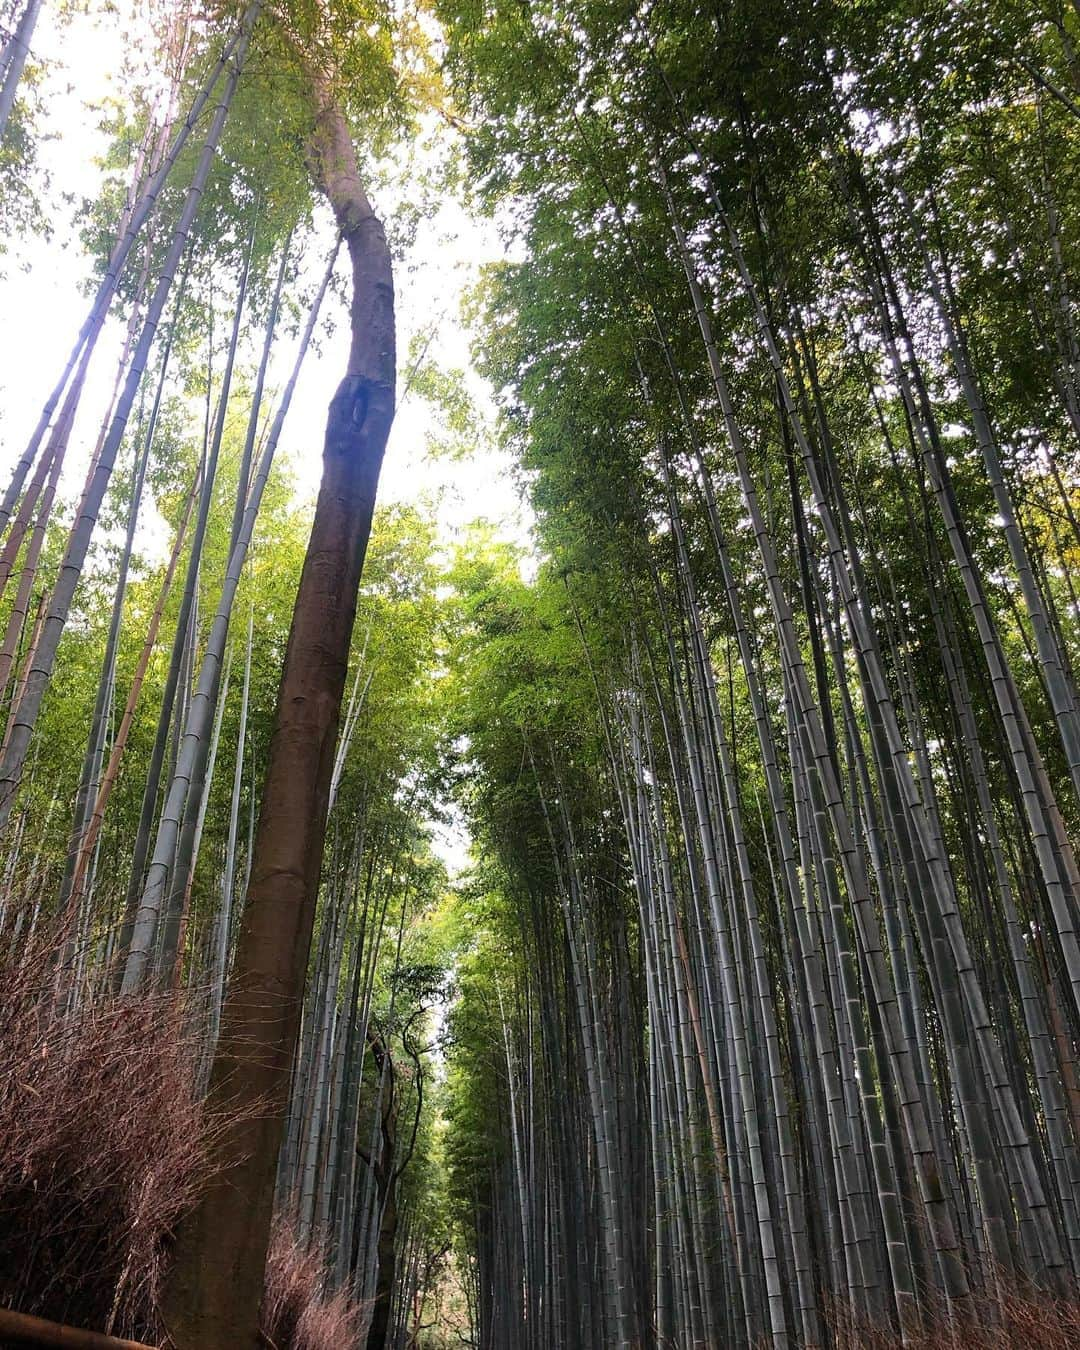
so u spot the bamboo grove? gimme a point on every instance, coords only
(774, 766)
(148, 619)
(753, 1019)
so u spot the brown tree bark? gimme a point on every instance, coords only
(213, 1296)
(21, 1329)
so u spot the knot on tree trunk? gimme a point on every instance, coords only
(360, 412)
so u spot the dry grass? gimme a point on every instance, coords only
(102, 1148)
(104, 1144)
(297, 1312)
(1022, 1320)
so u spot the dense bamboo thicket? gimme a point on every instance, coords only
(775, 765)
(754, 1017)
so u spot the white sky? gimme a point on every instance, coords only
(42, 305)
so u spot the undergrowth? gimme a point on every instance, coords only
(104, 1145)
(1018, 1319)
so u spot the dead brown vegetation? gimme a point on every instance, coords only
(297, 1312)
(1021, 1319)
(104, 1145)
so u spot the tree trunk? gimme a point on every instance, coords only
(212, 1301)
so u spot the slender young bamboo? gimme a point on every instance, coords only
(112, 768)
(25, 715)
(228, 877)
(181, 861)
(90, 783)
(14, 59)
(132, 224)
(200, 716)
